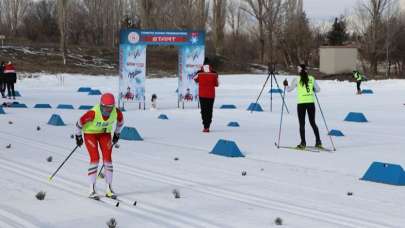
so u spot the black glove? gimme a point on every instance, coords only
(116, 137)
(79, 140)
(285, 82)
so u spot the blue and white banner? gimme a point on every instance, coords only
(132, 73)
(191, 59)
(133, 43)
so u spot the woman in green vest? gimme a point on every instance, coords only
(359, 78)
(306, 87)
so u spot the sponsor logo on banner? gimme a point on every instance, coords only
(194, 37)
(133, 37)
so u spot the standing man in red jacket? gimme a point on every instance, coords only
(11, 78)
(207, 80)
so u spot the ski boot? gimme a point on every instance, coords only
(93, 193)
(110, 193)
(319, 145)
(206, 130)
(301, 146)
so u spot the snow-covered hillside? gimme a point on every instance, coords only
(304, 189)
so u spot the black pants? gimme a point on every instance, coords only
(302, 109)
(2, 88)
(10, 89)
(207, 105)
(358, 86)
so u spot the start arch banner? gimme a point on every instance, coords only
(132, 61)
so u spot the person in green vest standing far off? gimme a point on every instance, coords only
(359, 78)
(306, 87)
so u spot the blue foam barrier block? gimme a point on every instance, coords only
(356, 117)
(276, 90)
(65, 106)
(18, 105)
(385, 173)
(335, 132)
(95, 92)
(226, 148)
(85, 107)
(56, 120)
(163, 117)
(233, 124)
(367, 91)
(255, 107)
(42, 106)
(84, 89)
(130, 133)
(228, 106)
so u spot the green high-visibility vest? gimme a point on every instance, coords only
(358, 76)
(99, 125)
(306, 94)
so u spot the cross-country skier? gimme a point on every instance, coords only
(97, 125)
(359, 78)
(306, 86)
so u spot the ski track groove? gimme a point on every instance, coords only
(15, 219)
(176, 219)
(272, 204)
(79, 193)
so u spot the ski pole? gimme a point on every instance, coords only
(102, 167)
(260, 94)
(50, 178)
(323, 117)
(281, 119)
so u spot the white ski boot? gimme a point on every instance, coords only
(93, 193)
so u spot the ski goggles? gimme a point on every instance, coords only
(106, 109)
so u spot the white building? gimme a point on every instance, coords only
(402, 6)
(337, 59)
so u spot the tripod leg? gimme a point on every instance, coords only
(260, 94)
(271, 95)
(282, 95)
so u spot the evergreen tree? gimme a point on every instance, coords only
(338, 35)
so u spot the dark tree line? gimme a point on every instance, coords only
(253, 31)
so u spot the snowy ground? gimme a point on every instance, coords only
(305, 189)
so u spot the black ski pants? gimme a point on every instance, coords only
(302, 109)
(207, 106)
(2, 87)
(358, 86)
(10, 89)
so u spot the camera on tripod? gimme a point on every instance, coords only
(272, 68)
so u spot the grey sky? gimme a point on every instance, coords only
(327, 9)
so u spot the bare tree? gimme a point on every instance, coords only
(40, 22)
(295, 37)
(271, 19)
(147, 7)
(62, 8)
(219, 19)
(14, 11)
(235, 18)
(257, 10)
(370, 15)
(202, 13)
